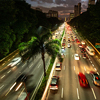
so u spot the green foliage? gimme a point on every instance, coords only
(43, 85)
(88, 23)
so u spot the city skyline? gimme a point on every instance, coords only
(64, 7)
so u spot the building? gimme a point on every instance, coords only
(38, 9)
(71, 16)
(52, 13)
(77, 10)
(91, 2)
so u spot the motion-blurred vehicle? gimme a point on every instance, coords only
(54, 83)
(76, 57)
(82, 80)
(68, 45)
(15, 61)
(21, 78)
(58, 66)
(95, 77)
(63, 44)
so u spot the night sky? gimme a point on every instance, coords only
(64, 7)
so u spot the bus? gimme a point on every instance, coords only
(90, 50)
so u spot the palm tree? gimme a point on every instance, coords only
(41, 44)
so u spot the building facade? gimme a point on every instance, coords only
(77, 10)
(71, 16)
(91, 2)
(52, 13)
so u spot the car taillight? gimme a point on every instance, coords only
(56, 86)
(50, 85)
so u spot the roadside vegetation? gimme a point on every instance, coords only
(88, 23)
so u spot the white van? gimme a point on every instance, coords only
(90, 50)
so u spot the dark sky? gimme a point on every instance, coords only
(64, 7)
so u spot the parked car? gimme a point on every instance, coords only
(58, 66)
(76, 57)
(82, 80)
(15, 61)
(54, 83)
(95, 77)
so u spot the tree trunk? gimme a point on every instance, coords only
(44, 64)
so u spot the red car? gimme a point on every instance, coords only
(63, 44)
(72, 39)
(78, 41)
(82, 80)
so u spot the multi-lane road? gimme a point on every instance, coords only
(69, 87)
(34, 70)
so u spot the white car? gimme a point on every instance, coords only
(83, 42)
(76, 56)
(68, 45)
(15, 61)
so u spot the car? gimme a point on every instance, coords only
(80, 45)
(54, 83)
(78, 42)
(63, 48)
(76, 57)
(68, 41)
(21, 78)
(82, 80)
(83, 49)
(63, 44)
(84, 56)
(72, 39)
(68, 45)
(64, 40)
(15, 61)
(58, 66)
(83, 42)
(95, 77)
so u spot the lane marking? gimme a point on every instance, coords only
(9, 71)
(91, 61)
(92, 65)
(39, 66)
(93, 93)
(95, 68)
(62, 93)
(74, 67)
(84, 68)
(3, 64)
(3, 76)
(2, 86)
(78, 94)
(24, 65)
(64, 67)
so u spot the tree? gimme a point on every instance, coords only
(40, 43)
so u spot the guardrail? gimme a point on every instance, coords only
(45, 94)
